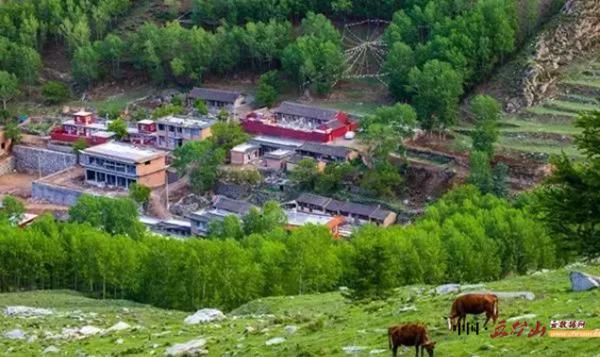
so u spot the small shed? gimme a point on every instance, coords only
(243, 154)
(276, 160)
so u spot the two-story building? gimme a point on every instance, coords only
(144, 133)
(83, 125)
(173, 131)
(119, 165)
(217, 99)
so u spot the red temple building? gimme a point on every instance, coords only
(300, 122)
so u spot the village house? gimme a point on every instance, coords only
(327, 153)
(221, 207)
(276, 160)
(354, 212)
(144, 133)
(217, 99)
(174, 131)
(297, 219)
(270, 143)
(171, 227)
(243, 154)
(300, 122)
(119, 165)
(83, 125)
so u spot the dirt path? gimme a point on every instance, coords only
(16, 184)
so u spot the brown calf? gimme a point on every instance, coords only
(410, 335)
(473, 304)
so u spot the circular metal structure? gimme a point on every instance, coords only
(365, 50)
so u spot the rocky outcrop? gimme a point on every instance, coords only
(577, 33)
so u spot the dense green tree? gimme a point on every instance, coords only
(313, 61)
(139, 193)
(480, 171)
(383, 179)
(436, 91)
(499, 176)
(9, 87)
(227, 135)
(119, 127)
(568, 201)
(86, 65)
(486, 112)
(12, 209)
(201, 107)
(312, 262)
(55, 92)
(384, 130)
(398, 64)
(305, 174)
(166, 110)
(267, 90)
(111, 50)
(270, 217)
(199, 160)
(13, 132)
(229, 228)
(113, 215)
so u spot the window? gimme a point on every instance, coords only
(161, 127)
(179, 129)
(171, 128)
(91, 175)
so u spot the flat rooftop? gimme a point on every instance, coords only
(187, 122)
(296, 218)
(262, 139)
(279, 154)
(124, 152)
(82, 113)
(243, 147)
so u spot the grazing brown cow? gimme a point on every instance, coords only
(474, 304)
(410, 335)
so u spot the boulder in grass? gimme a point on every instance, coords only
(353, 349)
(51, 349)
(15, 334)
(119, 326)
(190, 348)
(204, 316)
(275, 341)
(582, 281)
(447, 289)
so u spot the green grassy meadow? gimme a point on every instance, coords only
(326, 323)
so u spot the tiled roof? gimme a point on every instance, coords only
(306, 111)
(329, 150)
(235, 206)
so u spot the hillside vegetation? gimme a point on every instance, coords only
(326, 323)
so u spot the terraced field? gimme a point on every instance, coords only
(547, 128)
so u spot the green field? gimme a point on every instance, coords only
(326, 323)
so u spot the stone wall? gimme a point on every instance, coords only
(35, 160)
(53, 194)
(7, 165)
